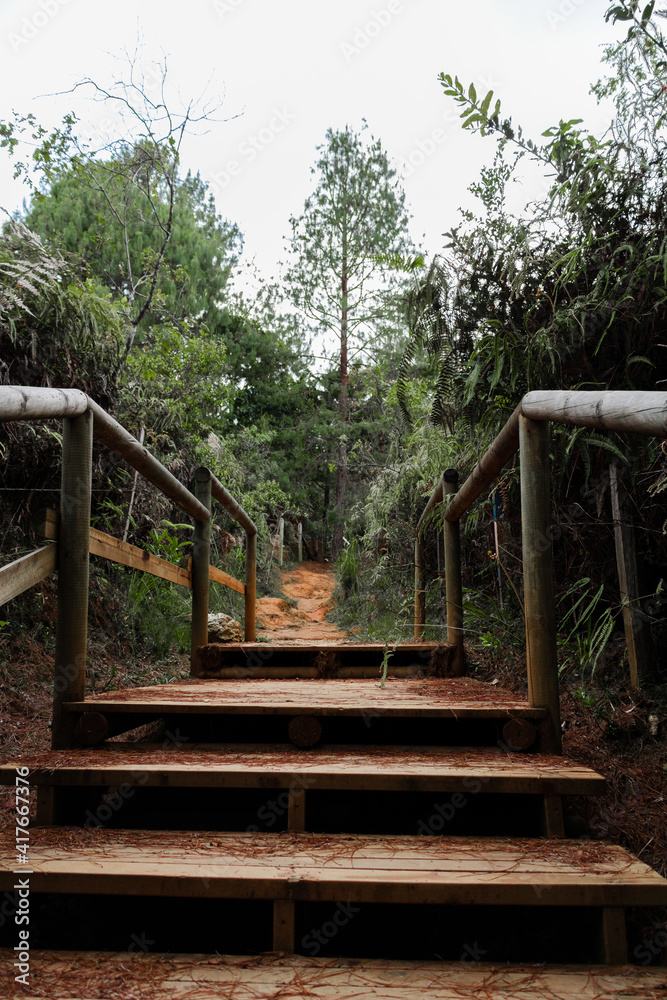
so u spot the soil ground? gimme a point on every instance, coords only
(300, 617)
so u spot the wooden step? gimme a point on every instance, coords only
(303, 866)
(63, 975)
(430, 697)
(349, 659)
(371, 768)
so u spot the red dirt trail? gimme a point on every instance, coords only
(311, 585)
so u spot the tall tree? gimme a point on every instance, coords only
(151, 236)
(355, 219)
(116, 212)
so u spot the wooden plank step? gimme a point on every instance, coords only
(63, 975)
(430, 697)
(374, 768)
(303, 866)
(347, 659)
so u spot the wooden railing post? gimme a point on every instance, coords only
(69, 682)
(281, 540)
(637, 632)
(453, 580)
(250, 585)
(201, 557)
(538, 581)
(420, 592)
(299, 540)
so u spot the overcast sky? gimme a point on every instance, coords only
(289, 69)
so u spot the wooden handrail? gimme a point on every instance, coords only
(30, 403)
(84, 419)
(27, 571)
(233, 508)
(611, 410)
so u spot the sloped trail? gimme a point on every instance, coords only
(312, 586)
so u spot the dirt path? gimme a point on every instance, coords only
(311, 585)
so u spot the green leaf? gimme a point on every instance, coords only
(472, 93)
(637, 359)
(648, 13)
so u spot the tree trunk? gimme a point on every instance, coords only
(341, 467)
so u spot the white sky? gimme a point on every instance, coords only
(292, 68)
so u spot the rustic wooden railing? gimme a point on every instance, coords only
(75, 540)
(526, 431)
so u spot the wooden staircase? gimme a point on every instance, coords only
(413, 850)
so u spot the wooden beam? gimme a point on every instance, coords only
(45, 523)
(199, 575)
(27, 571)
(552, 816)
(250, 587)
(613, 936)
(283, 925)
(433, 501)
(420, 592)
(281, 540)
(218, 576)
(299, 541)
(453, 579)
(108, 547)
(251, 977)
(73, 571)
(272, 766)
(610, 410)
(296, 809)
(22, 402)
(46, 799)
(115, 436)
(233, 508)
(492, 461)
(538, 583)
(637, 633)
(474, 871)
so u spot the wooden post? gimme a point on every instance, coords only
(553, 824)
(281, 539)
(613, 936)
(453, 581)
(283, 925)
(420, 592)
(637, 635)
(296, 810)
(538, 581)
(299, 540)
(201, 557)
(73, 563)
(250, 585)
